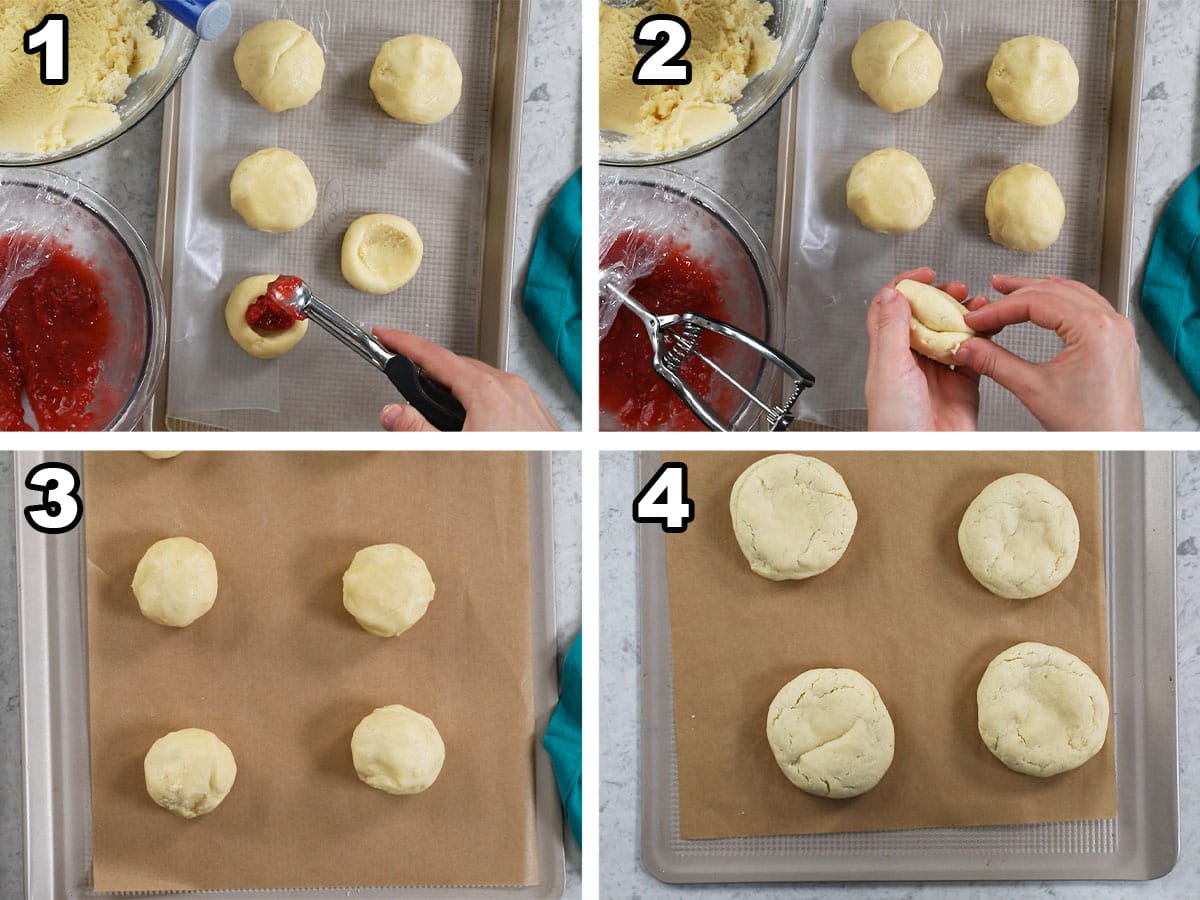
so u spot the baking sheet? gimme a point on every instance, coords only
(442, 177)
(833, 266)
(282, 674)
(1138, 493)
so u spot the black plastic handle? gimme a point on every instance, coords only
(430, 398)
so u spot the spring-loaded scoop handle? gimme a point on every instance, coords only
(208, 18)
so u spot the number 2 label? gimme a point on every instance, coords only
(49, 39)
(664, 64)
(664, 500)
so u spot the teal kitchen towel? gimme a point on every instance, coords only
(564, 739)
(554, 286)
(1171, 287)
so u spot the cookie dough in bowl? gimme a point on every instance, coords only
(1019, 537)
(1025, 209)
(1042, 710)
(890, 192)
(259, 342)
(831, 733)
(175, 582)
(280, 65)
(937, 328)
(381, 253)
(387, 589)
(897, 65)
(793, 516)
(273, 191)
(416, 78)
(397, 750)
(189, 772)
(1034, 80)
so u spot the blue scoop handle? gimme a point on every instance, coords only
(208, 18)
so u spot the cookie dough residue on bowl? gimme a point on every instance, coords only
(730, 46)
(110, 44)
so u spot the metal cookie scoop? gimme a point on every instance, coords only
(430, 398)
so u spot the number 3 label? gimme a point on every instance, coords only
(663, 65)
(664, 500)
(49, 39)
(61, 507)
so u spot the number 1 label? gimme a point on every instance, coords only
(50, 40)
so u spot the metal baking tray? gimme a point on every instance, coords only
(52, 643)
(496, 209)
(1142, 843)
(827, 124)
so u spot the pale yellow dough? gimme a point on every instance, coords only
(831, 733)
(1025, 209)
(273, 191)
(381, 253)
(1042, 710)
(259, 344)
(110, 44)
(897, 65)
(1034, 80)
(189, 772)
(280, 65)
(387, 589)
(162, 454)
(730, 46)
(890, 192)
(175, 582)
(397, 750)
(416, 78)
(937, 328)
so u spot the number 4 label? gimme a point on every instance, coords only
(664, 500)
(49, 39)
(671, 38)
(61, 508)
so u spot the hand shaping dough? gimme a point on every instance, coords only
(890, 192)
(273, 191)
(381, 253)
(259, 344)
(162, 454)
(387, 589)
(417, 79)
(280, 64)
(897, 65)
(189, 772)
(937, 328)
(176, 581)
(793, 516)
(397, 750)
(1019, 537)
(1034, 80)
(831, 733)
(1025, 209)
(1042, 710)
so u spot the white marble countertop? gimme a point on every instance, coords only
(621, 872)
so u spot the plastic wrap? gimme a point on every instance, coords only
(29, 224)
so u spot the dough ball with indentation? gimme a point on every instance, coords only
(1042, 710)
(189, 772)
(417, 79)
(831, 733)
(175, 582)
(1019, 537)
(381, 253)
(273, 191)
(937, 328)
(1034, 80)
(397, 750)
(897, 65)
(280, 64)
(1025, 209)
(793, 516)
(161, 454)
(890, 192)
(259, 343)
(387, 589)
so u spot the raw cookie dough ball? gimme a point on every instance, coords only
(397, 750)
(176, 581)
(387, 589)
(273, 191)
(1034, 80)
(793, 516)
(417, 79)
(1019, 537)
(831, 733)
(890, 192)
(1042, 710)
(280, 64)
(1025, 209)
(381, 253)
(937, 328)
(897, 65)
(189, 772)
(161, 454)
(259, 344)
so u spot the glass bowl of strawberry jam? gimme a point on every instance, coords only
(82, 338)
(693, 252)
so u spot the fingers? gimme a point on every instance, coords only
(887, 330)
(1006, 369)
(452, 370)
(402, 417)
(1007, 284)
(924, 274)
(956, 289)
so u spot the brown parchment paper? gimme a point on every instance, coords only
(282, 674)
(900, 607)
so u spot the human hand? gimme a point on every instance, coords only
(1092, 385)
(494, 400)
(906, 391)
